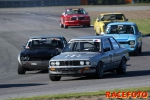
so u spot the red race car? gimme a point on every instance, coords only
(74, 17)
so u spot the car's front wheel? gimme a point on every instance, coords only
(140, 50)
(65, 26)
(96, 33)
(61, 25)
(122, 67)
(21, 70)
(54, 78)
(99, 70)
(136, 52)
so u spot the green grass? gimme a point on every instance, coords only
(143, 25)
(77, 95)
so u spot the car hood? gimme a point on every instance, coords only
(75, 56)
(120, 37)
(40, 52)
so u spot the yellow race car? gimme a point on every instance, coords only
(106, 18)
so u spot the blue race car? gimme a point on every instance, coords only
(127, 34)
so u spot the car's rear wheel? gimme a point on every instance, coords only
(61, 25)
(65, 26)
(21, 70)
(99, 70)
(54, 78)
(122, 67)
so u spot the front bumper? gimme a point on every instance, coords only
(77, 22)
(35, 65)
(72, 71)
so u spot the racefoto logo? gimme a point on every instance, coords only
(139, 94)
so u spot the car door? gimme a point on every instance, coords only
(116, 52)
(108, 53)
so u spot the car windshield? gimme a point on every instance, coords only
(44, 43)
(83, 46)
(75, 11)
(112, 17)
(120, 29)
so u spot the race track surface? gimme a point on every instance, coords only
(18, 24)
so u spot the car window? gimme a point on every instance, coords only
(75, 11)
(112, 17)
(120, 29)
(106, 44)
(82, 46)
(45, 43)
(114, 44)
(136, 28)
(64, 41)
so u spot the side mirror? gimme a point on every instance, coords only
(98, 20)
(106, 49)
(63, 13)
(126, 19)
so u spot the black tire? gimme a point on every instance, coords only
(96, 33)
(99, 70)
(122, 67)
(54, 78)
(61, 25)
(65, 26)
(136, 52)
(88, 25)
(21, 70)
(140, 50)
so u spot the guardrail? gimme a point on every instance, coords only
(37, 3)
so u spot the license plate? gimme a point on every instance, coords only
(33, 63)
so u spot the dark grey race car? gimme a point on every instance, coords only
(89, 55)
(38, 51)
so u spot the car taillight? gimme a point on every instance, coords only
(67, 19)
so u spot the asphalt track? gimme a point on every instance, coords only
(18, 24)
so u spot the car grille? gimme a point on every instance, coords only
(81, 18)
(73, 18)
(69, 63)
(78, 18)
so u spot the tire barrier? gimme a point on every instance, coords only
(37, 3)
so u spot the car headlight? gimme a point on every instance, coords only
(132, 42)
(57, 63)
(22, 58)
(53, 63)
(25, 58)
(81, 62)
(87, 63)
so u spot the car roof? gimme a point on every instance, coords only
(122, 23)
(73, 8)
(110, 13)
(92, 37)
(46, 36)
